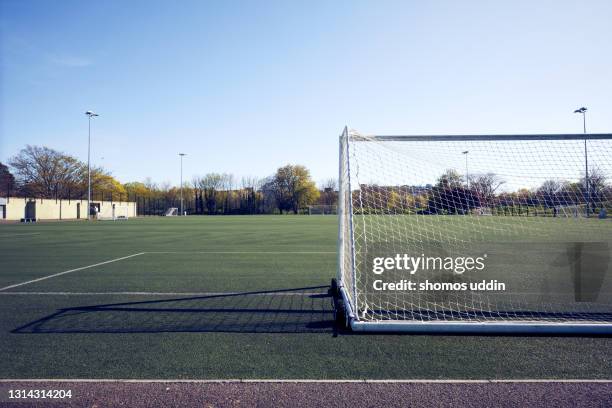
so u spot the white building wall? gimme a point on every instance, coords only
(51, 209)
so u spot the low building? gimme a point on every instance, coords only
(17, 208)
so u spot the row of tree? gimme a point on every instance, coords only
(46, 173)
(454, 194)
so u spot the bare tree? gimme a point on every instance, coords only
(330, 183)
(250, 182)
(46, 172)
(249, 194)
(597, 187)
(486, 185)
(550, 187)
(549, 192)
(597, 179)
(150, 184)
(329, 194)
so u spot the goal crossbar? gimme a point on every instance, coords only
(500, 137)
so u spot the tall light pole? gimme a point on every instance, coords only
(587, 186)
(182, 155)
(467, 176)
(90, 115)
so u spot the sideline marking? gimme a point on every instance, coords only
(70, 271)
(306, 381)
(163, 293)
(241, 252)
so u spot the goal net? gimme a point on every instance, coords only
(476, 233)
(171, 212)
(122, 213)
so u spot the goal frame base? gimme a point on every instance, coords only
(463, 327)
(481, 327)
(117, 218)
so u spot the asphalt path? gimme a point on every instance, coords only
(315, 394)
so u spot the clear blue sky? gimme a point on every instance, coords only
(247, 86)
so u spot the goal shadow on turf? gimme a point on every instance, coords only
(296, 310)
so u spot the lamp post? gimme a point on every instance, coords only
(182, 155)
(90, 115)
(587, 186)
(467, 176)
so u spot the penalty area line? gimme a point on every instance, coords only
(70, 271)
(242, 252)
(18, 234)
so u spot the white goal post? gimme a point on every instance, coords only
(489, 233)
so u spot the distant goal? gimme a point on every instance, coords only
(492, 233)
(116, 212)
(322, 209)
(171, 212)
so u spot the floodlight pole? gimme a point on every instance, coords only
(89, 114)
(182, 155)
(467, 176)
(587, 185)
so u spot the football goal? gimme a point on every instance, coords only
(171, 212)
(491, 233)
(116, 212)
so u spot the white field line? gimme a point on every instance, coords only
(242, 252)
(19, 234)
(163, 293)
(307, 381)
(70, 271)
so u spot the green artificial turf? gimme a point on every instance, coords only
(278, 325)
